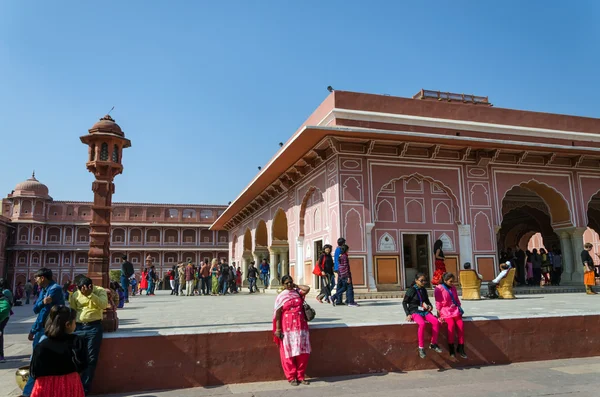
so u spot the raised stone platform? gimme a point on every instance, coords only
(168, 342)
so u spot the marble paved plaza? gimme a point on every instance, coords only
(164, 314)
(558, 378)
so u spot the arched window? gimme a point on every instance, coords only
(104, 152)
(115, 154)
(93, 153)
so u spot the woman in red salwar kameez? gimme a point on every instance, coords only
(290, 330)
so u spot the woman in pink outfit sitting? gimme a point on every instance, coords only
(450, 311)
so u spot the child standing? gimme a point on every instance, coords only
(58, 359)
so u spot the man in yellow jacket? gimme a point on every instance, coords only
(89, 301)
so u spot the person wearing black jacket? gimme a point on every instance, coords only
(325, 268)
(58, 359)
(418, 307)
(252, 276)
(126, 272)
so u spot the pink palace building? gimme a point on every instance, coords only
(392, 175)
(37, 231)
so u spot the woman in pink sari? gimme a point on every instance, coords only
(290, 330)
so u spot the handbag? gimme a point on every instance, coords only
(460, 309)
(309, 312)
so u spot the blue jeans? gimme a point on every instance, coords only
(223, 285)
(344, 286)
(252, 281)
(265, 279)
(150, 287)
(31, 381)
(125, 286)
(92, 334)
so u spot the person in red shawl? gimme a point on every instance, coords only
(290, 330)
(144, 281)
(440, 267)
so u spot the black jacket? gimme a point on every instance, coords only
(412, 302)
(326, 264)
(59, 356)
(127, 269)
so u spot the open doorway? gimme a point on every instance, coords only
(416, 257)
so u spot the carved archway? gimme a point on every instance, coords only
(247, 240)
(558, 207)
(279, 229)
(456, 213)
(261, 238)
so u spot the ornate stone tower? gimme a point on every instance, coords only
(106, 142)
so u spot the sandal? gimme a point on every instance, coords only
(294, 382)
(305, 382)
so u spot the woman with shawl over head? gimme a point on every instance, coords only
(440, 267)
(290, 331)
(214, 271)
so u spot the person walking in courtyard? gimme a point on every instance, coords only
(238, 280)
(50, 295)
(58, 359)
(252, 276)
(214, 270)
(440, 266)
(265, 272)
(89, 301)
(589, 275)
(126, 272)
(418, 307)
(290, 330)
(556, 266)
(152, 278)
(171, 274)
(536, 262)
(325, 270)
(205, 278)
(144, 281)
(189, 278)
(28, 291)
(449, 311)
(344, 280)
(181, 272)
(223, 277)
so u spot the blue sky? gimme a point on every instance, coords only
(207, 89)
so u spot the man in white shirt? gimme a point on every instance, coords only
(493, 285)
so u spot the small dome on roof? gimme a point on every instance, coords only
(107, 125)
(31, 188)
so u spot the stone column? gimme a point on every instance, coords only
(577, 244)
(285, 263)
(274, 256)
(370, 273)
(567, 254)
(246, 258)
(299, 260)
(465, 244)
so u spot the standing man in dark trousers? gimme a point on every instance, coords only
(89, 301)
(126, 272)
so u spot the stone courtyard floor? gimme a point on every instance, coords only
(558, 378)
(167, 315)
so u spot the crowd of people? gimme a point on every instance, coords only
(67, 333)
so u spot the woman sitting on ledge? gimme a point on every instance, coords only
(290, 330)
(418, 309)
